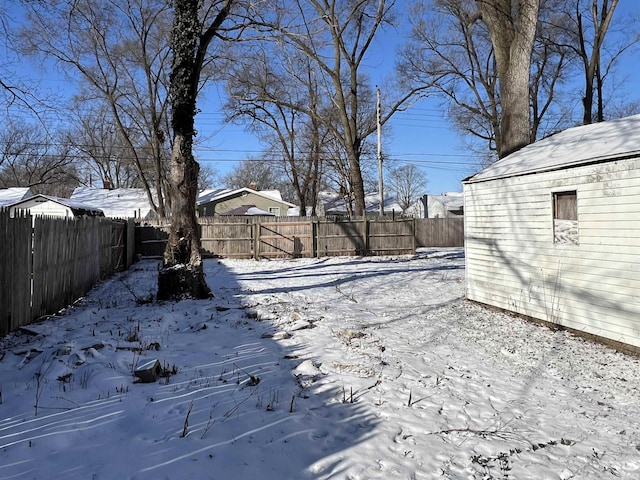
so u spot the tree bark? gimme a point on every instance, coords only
(512, 27)
(182, 273)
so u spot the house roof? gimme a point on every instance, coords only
(595, 143)
(12, 195)
(451, 200)
(117, 202)
(335, 203)
(78, 208)
(220, 194)
(247, 210)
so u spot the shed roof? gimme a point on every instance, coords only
(78, 208)
(13, 195)
(117, 202)
(594, 143)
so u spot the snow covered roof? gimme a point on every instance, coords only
(219, 194)
(117, 202)
(593, 143)
(451, 200)
(77, 207)
(335, 203)
(12, 195)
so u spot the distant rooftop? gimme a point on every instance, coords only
(117, 202)
(13, 195)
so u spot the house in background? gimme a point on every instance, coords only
(331, 203)
(117, 202)
(12, 195)
(552, 231)
(248, 210)
(222, 201)
(447, 205)
(55, 207)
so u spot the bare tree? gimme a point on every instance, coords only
(29, 157)
(264, 173)
(550, 71)
(276, 89)
(408, 183)
(120, 51)
(585, 24)
(183, 273)
(16, 92)
(103, 155)
(336, 36)
(451, 51)
(512, 26)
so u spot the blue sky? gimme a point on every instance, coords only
(422, 135)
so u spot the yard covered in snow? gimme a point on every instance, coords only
(358, 368)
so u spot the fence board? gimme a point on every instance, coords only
(440, 232)
(392, 238)
(151, 239)
(271, 237)
(232, 239)
(341, 237)
(48, 263)
(15, 277)
(285, 239)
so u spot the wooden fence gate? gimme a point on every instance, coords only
(286, 239)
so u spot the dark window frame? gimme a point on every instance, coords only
(565, 205)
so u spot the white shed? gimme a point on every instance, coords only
(55, 207)
(552, 231)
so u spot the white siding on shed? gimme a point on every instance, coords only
(40, 206)
(513, 262)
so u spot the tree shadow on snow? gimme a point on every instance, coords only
(235, 403)
(343, 274)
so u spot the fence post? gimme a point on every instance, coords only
(314, 238)
(413, 226)
(256, 240)
(365, 236)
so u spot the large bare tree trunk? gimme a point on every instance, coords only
(182, 274)
(512, 26)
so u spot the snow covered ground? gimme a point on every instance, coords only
(345, 368)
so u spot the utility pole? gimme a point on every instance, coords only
(378, 120)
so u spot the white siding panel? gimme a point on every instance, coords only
(512, 262)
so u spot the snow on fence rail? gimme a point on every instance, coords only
(47, 263)
(282, 237)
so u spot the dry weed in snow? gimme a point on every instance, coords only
(346, 368)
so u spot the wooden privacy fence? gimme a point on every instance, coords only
(292, 237)
(48, 263)
(440, 232)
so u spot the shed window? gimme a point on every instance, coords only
(275, 211)
(565, 218)
(565, 206)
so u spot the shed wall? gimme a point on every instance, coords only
(514, 264)
(48, 208)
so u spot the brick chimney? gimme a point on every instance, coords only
(253, 186)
